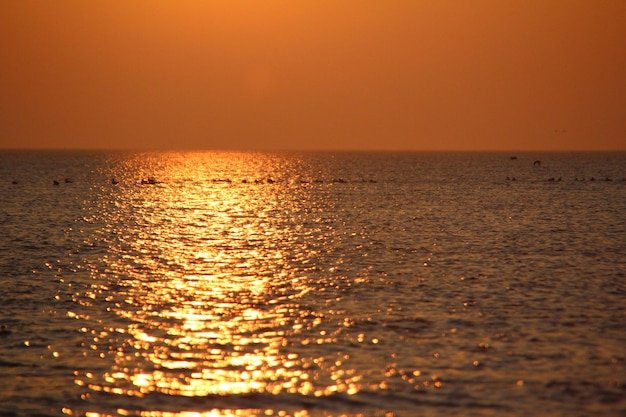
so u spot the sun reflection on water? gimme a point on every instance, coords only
(212, 288)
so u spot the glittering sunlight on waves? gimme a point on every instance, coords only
(207, 278)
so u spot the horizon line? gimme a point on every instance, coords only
(261, 150)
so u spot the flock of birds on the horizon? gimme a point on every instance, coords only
(153, 181)
(537, 163)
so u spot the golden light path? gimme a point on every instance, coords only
(207, 279)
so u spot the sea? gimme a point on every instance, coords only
(306, 284)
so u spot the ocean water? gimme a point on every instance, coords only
(312, 284)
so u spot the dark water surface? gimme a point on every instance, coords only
(312, 284)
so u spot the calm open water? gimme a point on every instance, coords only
(312, 284)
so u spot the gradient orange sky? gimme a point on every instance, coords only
(362, 74)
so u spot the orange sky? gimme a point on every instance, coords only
(361, 74)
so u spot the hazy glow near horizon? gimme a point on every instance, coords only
(393, 75)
